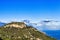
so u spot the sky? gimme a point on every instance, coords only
(34, 10)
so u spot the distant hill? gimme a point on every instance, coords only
(2, 24)
(24, 33)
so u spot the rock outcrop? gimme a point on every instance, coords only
(16, 24)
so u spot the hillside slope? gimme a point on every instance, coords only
(26, 33)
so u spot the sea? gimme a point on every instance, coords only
(53, 33)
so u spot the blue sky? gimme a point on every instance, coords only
(34, 10)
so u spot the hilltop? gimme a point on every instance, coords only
(16, 24)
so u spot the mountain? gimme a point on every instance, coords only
(2, 24)
(23, 32)
(26, 21)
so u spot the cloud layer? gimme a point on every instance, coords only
(45, 25)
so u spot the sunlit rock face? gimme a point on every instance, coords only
(16, 24)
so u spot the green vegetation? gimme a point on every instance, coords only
(27, 33)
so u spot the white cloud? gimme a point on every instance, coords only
(53, 25)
